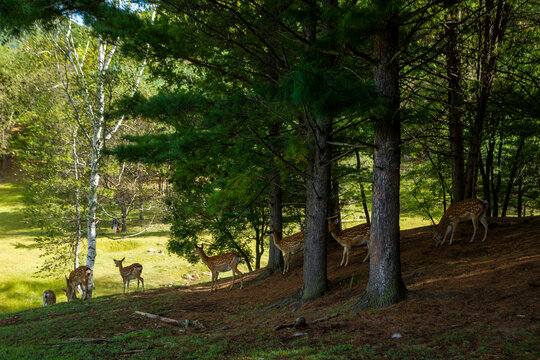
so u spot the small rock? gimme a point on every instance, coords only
(397, 336)
(160, 252)
(299, 334)
(151, 250)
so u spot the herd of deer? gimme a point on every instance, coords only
(470, 209)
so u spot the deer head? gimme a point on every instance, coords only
(118, 263)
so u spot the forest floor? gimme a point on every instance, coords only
(468, 301)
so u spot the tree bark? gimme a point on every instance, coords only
(455, 100)
(317, 202)
(362, 191)
(487, 68)
(385, 284)
(513, 171)
(275, 200)
(77, 204)
(520, 197)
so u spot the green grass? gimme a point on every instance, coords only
(20, 288)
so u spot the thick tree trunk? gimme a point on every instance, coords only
(317, 202)
(334, 207)
(385, 284)
(455, 100)
(275, 197)
(513, 171)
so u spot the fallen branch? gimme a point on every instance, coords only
(80, 341)
(326, 318)
(299, 323)
(181, 323)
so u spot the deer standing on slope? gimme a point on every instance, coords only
(287, 245)
(130, 272)
(355, 236)
(473, 209)
(221, 263)
(49, 298)
(79, 276)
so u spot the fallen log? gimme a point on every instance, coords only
(181, 323)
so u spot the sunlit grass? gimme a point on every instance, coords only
(20, 288)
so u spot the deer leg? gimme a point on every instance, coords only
(484, 222)
(233, 279)
(367, 255)
(286, 265)
(241, 277)
(343, 256)
(348, 248)
(124, 287)
(85, 294)
(142, 282)
(454, 226)
(475, 226)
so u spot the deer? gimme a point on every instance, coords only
(79, 276)
(469, 209)
(221, 263)
(287, 245)
(129, 273)
(49, 298)
(355, 236)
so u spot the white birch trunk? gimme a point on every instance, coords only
(77, 203)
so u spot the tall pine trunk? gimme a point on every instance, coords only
(455, 100)
(275, 200)
(385, 284)
(317, 206)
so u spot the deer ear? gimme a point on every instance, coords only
(123, 259)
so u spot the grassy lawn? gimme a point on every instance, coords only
(21, 288)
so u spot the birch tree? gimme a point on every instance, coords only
(89, 88)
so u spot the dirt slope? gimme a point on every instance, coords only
(491, 287)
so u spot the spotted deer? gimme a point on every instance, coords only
(469, 209)
(49, 298)
(355, 236)
(129, 273)
(79, 276)
(221, 263)
(287, 245)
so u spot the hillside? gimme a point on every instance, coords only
(479, 300)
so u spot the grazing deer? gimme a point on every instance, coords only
(79, 276)
(473, 209)
(355, 236)
(130, 272)
(221, 263)
(49, 298)
(287, 245)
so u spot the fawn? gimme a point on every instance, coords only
(473, 209)
(355, 236)
(49, 298)
(79, 276)
(287, 245)
(130, 272)
(221, 263)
